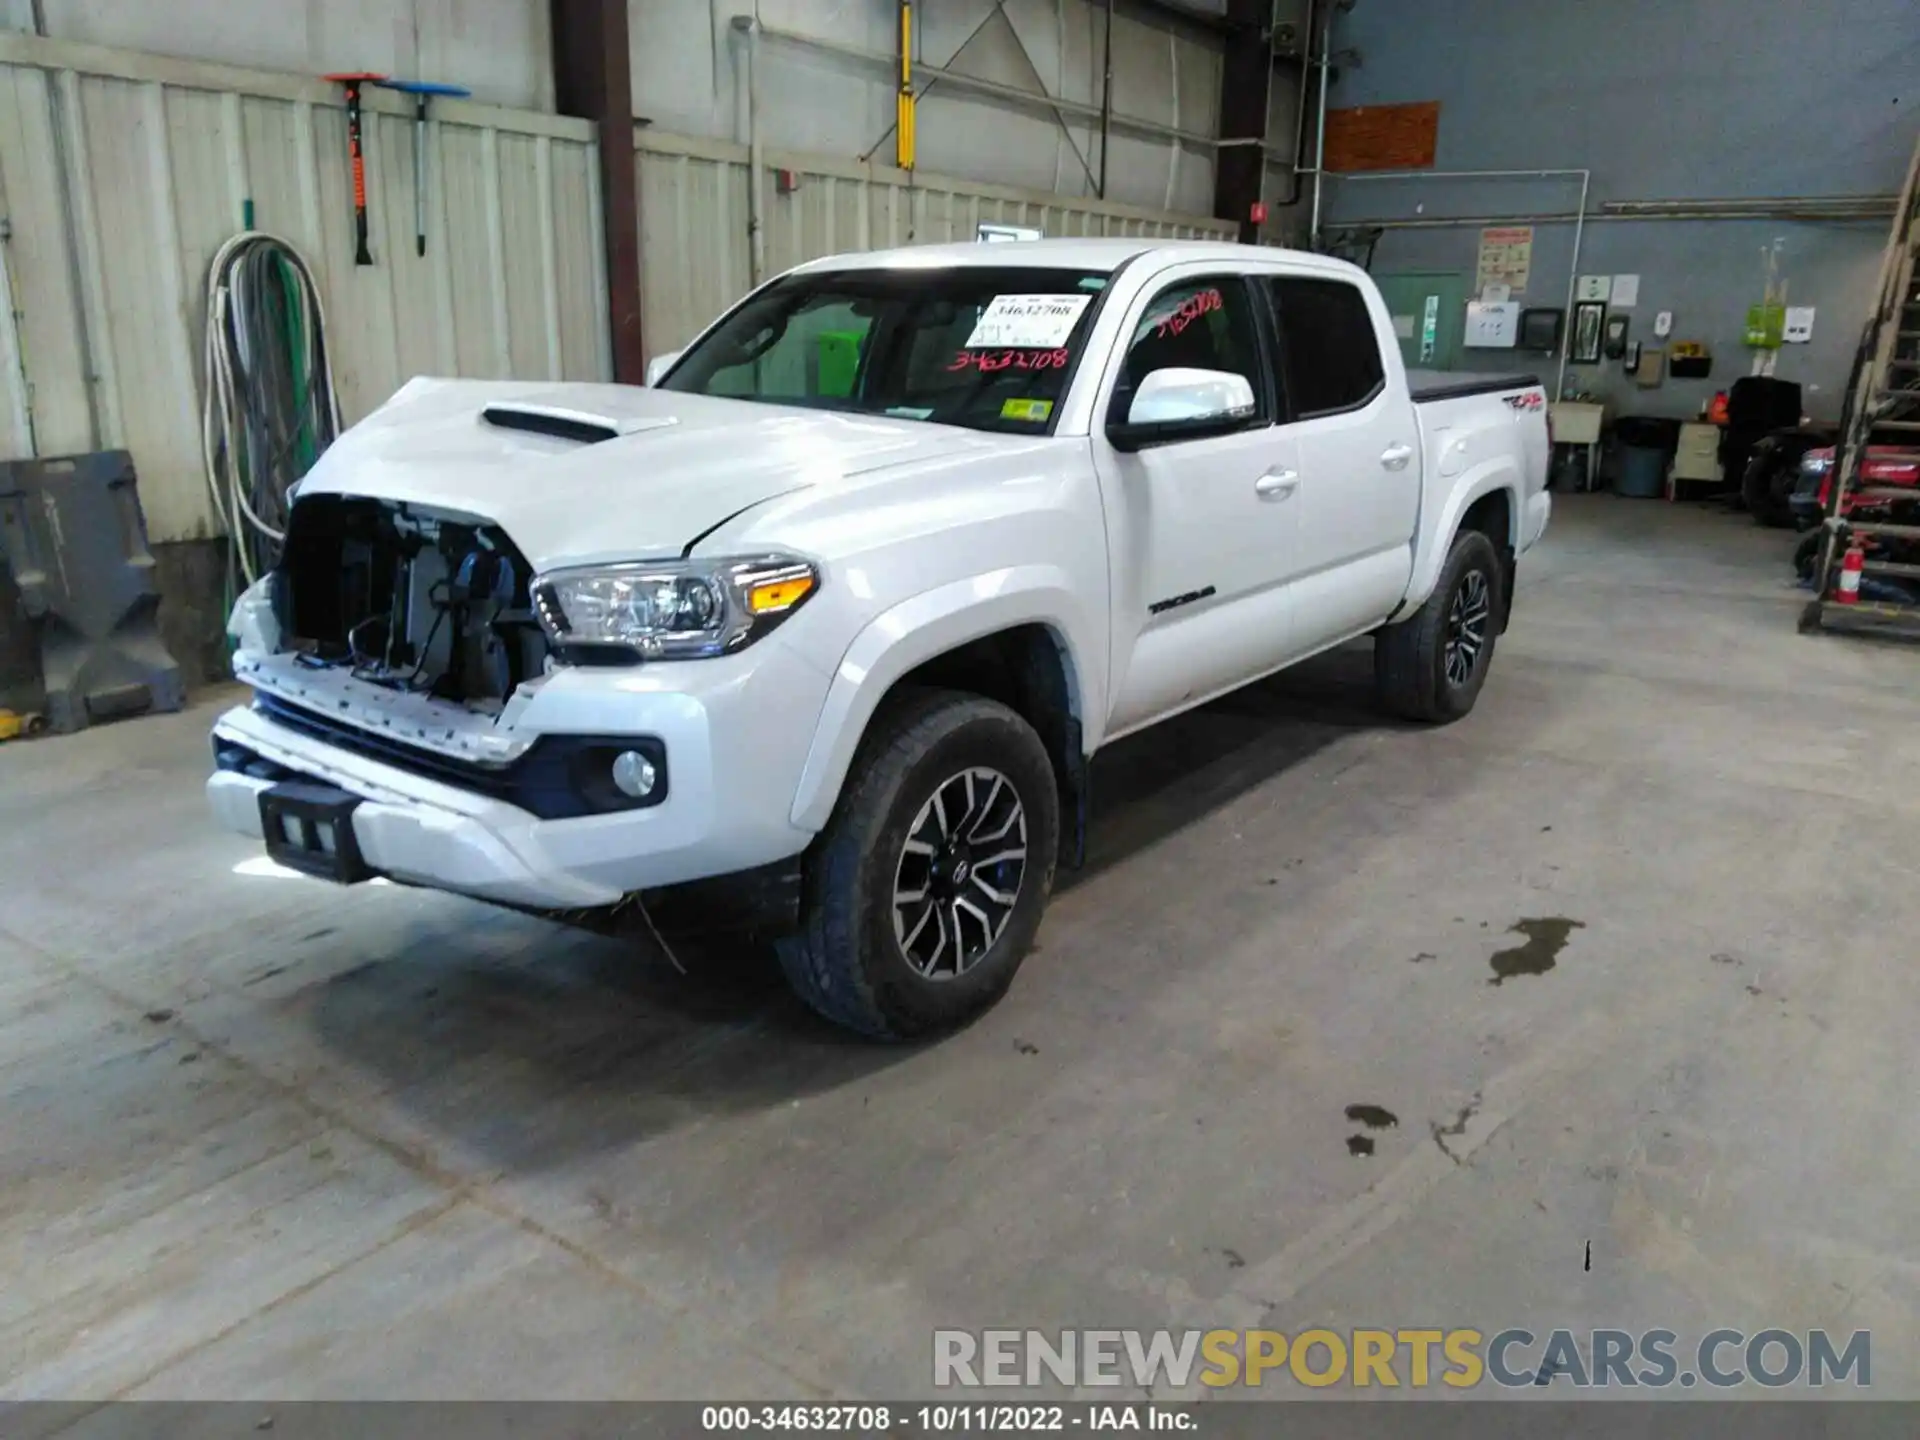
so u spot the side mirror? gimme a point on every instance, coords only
(1178, 404)
(658, 366)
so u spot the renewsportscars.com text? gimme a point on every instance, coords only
(1459, 1359)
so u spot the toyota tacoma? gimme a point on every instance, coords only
(827, 620)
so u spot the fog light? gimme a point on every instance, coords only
(633, 774)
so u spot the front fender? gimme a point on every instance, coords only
(1437, 530)
(923, 627)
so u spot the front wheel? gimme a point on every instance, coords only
(924, 892)
(1431, 665)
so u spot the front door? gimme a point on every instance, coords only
(1429, 311)
(1199, 532)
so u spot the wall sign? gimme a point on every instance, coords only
(1506, 258)
(1493, 325)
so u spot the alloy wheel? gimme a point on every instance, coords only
(1467, 626)
(959, 874)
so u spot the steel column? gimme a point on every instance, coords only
(592, 79)
(1246, 76)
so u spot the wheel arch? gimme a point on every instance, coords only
(1487, 499)
(1017, 637)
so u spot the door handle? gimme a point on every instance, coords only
(1276, 484)
(1395, 457)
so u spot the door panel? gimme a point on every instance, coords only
(1359, 454)
(1200, 554)
(1199, 532)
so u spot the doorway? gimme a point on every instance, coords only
(1429, 310)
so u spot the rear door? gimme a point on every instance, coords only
(1200, 532)
(1347, 410)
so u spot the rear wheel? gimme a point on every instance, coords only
(924, 892)
(1431, 665)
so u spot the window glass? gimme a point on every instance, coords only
(1330, 359)
(989, 347)
(1197, 325)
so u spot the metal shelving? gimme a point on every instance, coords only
(1883, 399)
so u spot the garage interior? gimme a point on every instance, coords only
(1590, 1010)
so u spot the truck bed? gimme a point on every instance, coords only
(1455, 384)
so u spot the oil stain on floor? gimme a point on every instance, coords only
(1546, 938)
(1374, 1117)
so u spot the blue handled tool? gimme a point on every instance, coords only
(422, 91)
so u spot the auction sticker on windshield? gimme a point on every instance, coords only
(1027, 322)
(1035, 410)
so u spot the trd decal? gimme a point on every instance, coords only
(1160, 607)
(1527, 400)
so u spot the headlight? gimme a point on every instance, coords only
(1816, 464)
(673, 609)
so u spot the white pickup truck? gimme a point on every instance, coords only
(826, 622)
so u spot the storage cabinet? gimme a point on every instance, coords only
(1697, 457)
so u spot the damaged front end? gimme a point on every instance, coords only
(407, 635)
(407, 722)
(417, 601)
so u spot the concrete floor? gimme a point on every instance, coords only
(264, 1138)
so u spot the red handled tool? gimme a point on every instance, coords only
(353, 80)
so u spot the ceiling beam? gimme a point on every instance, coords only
(1230, 28)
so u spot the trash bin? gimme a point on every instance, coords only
(1644, 448)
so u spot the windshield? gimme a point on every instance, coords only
(987, 347)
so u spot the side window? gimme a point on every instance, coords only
(1329, 357)
(1204, 324)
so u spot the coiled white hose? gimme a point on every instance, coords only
(270, 407)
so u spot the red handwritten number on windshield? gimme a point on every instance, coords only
(1191, 309)
(988, 361)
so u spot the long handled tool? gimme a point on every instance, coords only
(353, 80)
(422, 91)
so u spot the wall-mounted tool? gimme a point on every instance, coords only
(352, 80)
(422, 91)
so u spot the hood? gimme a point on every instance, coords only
(582, 474)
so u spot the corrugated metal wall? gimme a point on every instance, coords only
(154, 160)
(122, 172)
(693, 217)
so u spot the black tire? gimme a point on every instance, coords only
(1756, 486)
(1806, 555)
(1411, 658)
(848, 960)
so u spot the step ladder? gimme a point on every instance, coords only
(1882, 407)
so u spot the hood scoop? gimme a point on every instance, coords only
(582, 426)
